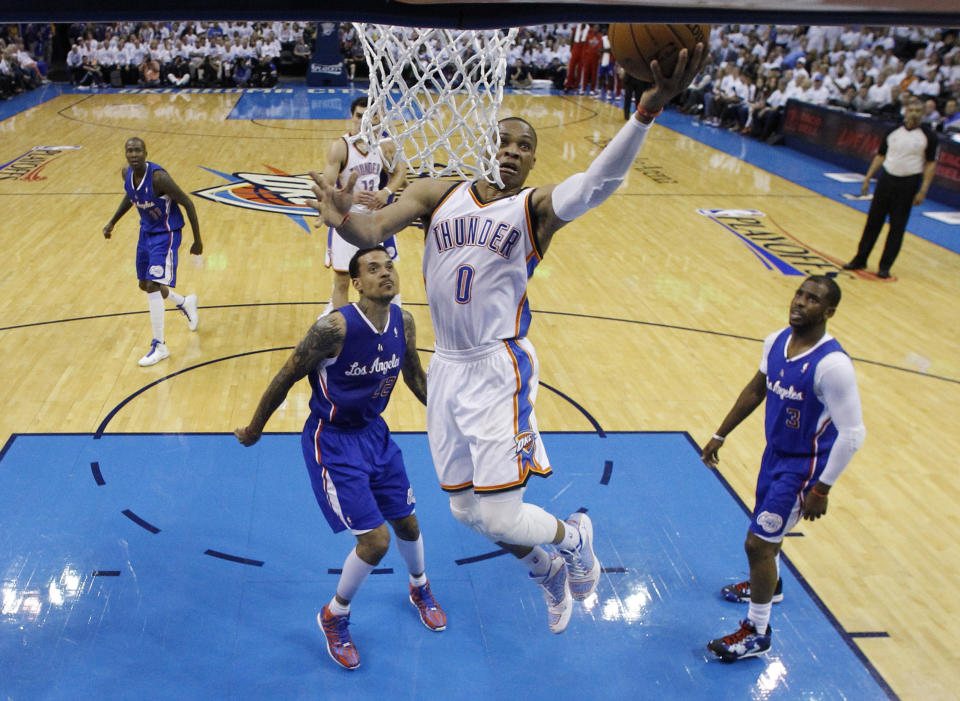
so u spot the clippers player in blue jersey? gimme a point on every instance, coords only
(158, 200)
(814, 425)
(482, 245)
(352, 358)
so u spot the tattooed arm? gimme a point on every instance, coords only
(323, 340)
(412, 370)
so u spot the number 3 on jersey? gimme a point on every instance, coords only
(465, 275)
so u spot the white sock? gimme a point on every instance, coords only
(571, 537)
(759, 616)
(175, 298)
(337, 609)
(412, 553)
(777, 560)
(355, 573)
(155, 302)
(537, 561)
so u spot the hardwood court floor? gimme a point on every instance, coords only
(648, 314)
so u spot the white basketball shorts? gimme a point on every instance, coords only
(480, 421)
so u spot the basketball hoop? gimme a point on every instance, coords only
(436, 94)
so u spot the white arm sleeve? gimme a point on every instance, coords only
(583, 191)
(836, 383)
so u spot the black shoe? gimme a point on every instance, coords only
(853, 265)
(883, 274)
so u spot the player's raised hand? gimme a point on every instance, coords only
(332, 203)
(666, 87)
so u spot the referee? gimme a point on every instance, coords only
(908, 155)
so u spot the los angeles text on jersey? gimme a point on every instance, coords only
(784, 392)
(775, 249)
(377, 366)
(500, 237)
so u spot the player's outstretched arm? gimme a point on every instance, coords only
(323, 340)
(557, 205)
(750, 398)
(413, 374)
(368, 229)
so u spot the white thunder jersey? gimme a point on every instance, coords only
(367, 166)
(476, 262)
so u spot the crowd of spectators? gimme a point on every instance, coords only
(754, 70)
(187, 54)
(19, 55)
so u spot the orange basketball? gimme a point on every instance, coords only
(636, 45)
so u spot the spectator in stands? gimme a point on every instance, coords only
(178, 73)
(692, 99)
(816, 92)
(242, 71)
(92, 77)
(75, 62)
(149, 72)
(951, 117)
(931, 117)
(301, 57)
(862, 102)
(264, 72)
(210, 72)
(844, 100)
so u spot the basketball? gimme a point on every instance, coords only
(636, 45)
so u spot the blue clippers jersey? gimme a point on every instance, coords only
(797, 422)
(353, 389)
(159, 214)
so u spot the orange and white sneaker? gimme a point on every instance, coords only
(556, 592)
(431, 615)
(583, 567)
(339, 643)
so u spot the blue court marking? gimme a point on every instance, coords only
(807, 171)
(191, 625)
(301, 102)
(233, 558)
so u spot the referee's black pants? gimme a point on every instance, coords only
(894, 198)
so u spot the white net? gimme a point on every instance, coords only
(436, 94)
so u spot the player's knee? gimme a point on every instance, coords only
(498, 524)
(406, 528)
(464, 507)
(373, 545)
(759, 549)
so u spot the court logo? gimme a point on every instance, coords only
(29, 165)
(276, 191)
(774, 248)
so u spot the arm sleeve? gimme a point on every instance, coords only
(583, 191)
(836, 383)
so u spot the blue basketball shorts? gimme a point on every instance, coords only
(782, 485)
(157, 257)
(357, 476)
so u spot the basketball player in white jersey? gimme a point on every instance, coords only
(482, 244)
(346, 157)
